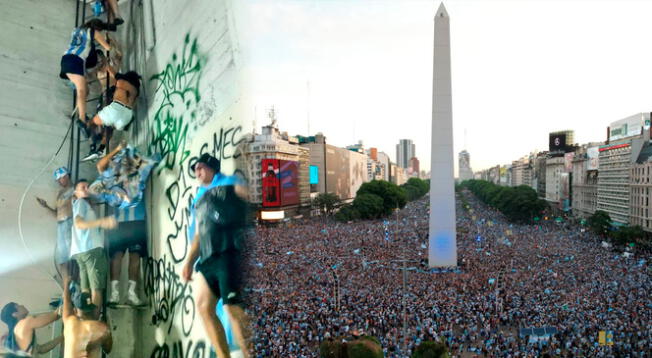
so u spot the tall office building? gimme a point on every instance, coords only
(405, 150)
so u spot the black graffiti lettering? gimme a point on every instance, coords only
(168, 295)
(172, 193)
(192, 350)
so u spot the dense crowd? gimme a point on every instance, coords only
(509, 277)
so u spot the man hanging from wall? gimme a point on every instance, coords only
(88, 244)
(119, 113)
(84, 336)
(220, 213)
(63, 212)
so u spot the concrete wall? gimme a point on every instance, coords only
(34, 105)
(188, 52)
(189, 56)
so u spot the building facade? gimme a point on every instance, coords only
(272, 144)
(540, 174)
(641, 195)
(554, 170)
(464, 166)
(585, 180)
(521, 172)
(405, 149)
(613, 180)
(413, 168)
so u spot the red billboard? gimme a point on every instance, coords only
(271, 182)
(289, 182)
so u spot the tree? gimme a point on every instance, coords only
(600, 222)
(627, 234)
(518, 204)
(326, 202)
(391, 194)
(430, 349)
(369, 206)
(347, 213)
(363, 347)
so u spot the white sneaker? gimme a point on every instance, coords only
(114, 299)
(133, 300)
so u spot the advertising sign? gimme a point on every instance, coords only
(289, 182)
(626, 127)
(271, 182)
(593, 155)
(314, 174)
(557, 142)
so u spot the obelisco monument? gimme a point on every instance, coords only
(442, 246)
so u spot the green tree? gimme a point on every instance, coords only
(369, 206)
(627, 234)
(430, 349)
(600, 222)
(347, 213)
(326, 202)
(391, 194)
(365, 347)
(519, 204)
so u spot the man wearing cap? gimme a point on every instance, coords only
(83, 336)
(217, 229)
(63, 213)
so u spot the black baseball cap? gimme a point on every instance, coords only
(83, 301)
(210, 162)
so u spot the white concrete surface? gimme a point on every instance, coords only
(442, 248)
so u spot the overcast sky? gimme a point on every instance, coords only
(520, 69)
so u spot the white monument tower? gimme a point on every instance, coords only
(442, 248)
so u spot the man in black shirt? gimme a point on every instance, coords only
(220, 212)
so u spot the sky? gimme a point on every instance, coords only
(362, 70)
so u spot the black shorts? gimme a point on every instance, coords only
(128, 236)
(223, 273)
(71, 64)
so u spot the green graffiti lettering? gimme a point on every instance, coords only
(178, 86)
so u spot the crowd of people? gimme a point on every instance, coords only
(318, 279)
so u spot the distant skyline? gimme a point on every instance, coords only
(520, 70)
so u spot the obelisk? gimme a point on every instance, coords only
(442, 246)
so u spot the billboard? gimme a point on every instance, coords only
(271, 182)
(289, 177)
(593, 155)
(557, 142)
(627, 127)
(314, 174)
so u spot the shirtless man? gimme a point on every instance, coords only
(22, 337)
(63, 212)
(83, 336)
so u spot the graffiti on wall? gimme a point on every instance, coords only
(179, 108)
(176, 350)
(177, 86)
(168, 296)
